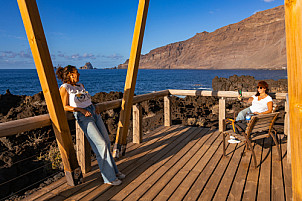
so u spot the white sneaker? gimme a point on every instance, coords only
(234, 141)
(232, 137)
(120, 175)
(115, 182)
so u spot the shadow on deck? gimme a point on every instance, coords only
(186, 163)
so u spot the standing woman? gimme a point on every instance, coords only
(77, 100)
(262, 103)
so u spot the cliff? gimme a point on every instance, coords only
(257, 42)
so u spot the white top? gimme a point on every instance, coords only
(260, 106)
(78, 96)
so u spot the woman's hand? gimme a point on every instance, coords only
(86, 113)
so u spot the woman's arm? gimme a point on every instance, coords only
(65, 100)
(246, 100)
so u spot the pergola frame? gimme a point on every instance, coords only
(39, 48)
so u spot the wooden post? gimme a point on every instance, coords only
(167, 111)
(293, 26)
(37, 41)
(287, 130)
(221, 114)
(83, 150)
(123, 125)
(137, 123)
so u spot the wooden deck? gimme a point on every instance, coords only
(186, 163)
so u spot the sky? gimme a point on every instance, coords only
(100, 31)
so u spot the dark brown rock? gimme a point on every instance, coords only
(247, 83)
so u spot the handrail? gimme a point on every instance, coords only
(226, 94)
(31, 123)
(21, 125)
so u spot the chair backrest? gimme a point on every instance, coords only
(262, 122)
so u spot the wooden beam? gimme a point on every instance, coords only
(221, 114)
(31, 123)
(293, 26)
(226, 94)
(83, 150)
(167, 111)
(37, 41)
(287, 130)
(123, 125)
(137, 123)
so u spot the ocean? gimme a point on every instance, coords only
(26, 81)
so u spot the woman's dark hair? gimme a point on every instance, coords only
(62, 73)
(264, 85)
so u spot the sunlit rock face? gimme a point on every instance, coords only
(257, 42)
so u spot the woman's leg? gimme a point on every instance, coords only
(99, 146)
(102, 128)
(241, 115)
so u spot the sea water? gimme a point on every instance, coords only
(26, 81)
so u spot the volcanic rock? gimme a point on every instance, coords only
(88, 65)
(247, 83)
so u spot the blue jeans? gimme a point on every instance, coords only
(97, 135)
(241, 115)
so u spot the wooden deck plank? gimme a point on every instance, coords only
(251, 184)
(264, 190)
(170, 188)
(67, 191)
(154, 172)
(205, 153)
(277, 183)
(205, 173)
(239, 180)
(174, 166)
(144, 162)
(46, 189)
(287, 176)
(185, 163)
(60, 192)
(214, 181)
(160, 139)
(227, 180)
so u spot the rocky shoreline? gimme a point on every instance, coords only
(37, 150)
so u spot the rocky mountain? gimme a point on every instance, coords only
(88, 65)
(257, 42)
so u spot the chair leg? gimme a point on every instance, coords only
(223, 145)
(277, 144)
(253, 152)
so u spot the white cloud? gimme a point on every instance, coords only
(11, 54)
(267, 1)
(85, 56)
(76, 56)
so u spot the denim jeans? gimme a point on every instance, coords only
(97, 135)
(241, 115)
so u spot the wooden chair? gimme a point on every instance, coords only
(260, 126)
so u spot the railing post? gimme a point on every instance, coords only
(167, 111)
(221, 114)
(137, 123)
(287, 130)
(83, 150)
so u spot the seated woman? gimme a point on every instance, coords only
(77, 100)
(262, 103)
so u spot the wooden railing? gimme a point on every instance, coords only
(82, 145)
